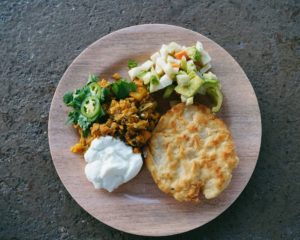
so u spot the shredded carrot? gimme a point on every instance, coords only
(175, 65)
(180, 54)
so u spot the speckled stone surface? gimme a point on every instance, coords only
(39, 39)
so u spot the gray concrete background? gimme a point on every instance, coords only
(39, 39)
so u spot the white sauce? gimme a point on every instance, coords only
(110, 163)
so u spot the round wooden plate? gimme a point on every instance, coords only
(139, 207)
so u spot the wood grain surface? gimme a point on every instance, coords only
(138, 206)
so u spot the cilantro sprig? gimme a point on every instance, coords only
(122, 88)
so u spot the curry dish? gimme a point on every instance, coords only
(131, 119)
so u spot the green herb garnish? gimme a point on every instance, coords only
(154, 80)
(122, 88)
(132, 64)
(92, 78)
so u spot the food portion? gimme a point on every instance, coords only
(121, 109)
(106, 116)
(191, 152)
(110, 163)
(180, 69)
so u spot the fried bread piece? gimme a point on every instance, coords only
(191, 152)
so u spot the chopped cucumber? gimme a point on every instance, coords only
(141, 74)
(189, 101)
(192, 87)
(155, 56)
(160, 62)
(199, 46)
(147, 65)
(171, 60)
(194, 54)
(154, 80)
(205, 68)
(183, 98)
(173, 47)
(170, 71)
(190, 66)
(205, 58)
(164, 52)
(217, 97)
(146, 78)
(210, 75)
(182, 79)
(183, 64)
(168, 92)
(133, 72)
(164, 81)
(158, 69)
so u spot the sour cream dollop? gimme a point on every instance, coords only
(110, 163)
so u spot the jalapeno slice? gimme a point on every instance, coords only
(91, 107)
(95, 89)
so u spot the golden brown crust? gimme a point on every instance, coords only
(191, 151)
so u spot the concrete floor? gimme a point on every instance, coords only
(39, 39)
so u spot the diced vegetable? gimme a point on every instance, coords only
(183, 98)
(190, 101)
(141, 74)
(190, 66)
(168, 92)
(146, 78)
(155, 56)
(194, 54)
(210, 75)
(154, 80)
(192, 87)
(158, 69)
(147, 65)
(183, 63)
(179, 68)
(163, 82)
(205, 68)
(170, 59)
(181, 54)
(211, 83)
(95, 89)
(173, 47)
(164, 52)
(90, 107)
(135, 71)
(205, 58)
(199, 46)
(217, 97)
(170, 71)
(161, 63)
(182, 79)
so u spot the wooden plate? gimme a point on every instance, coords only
(139, 207)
